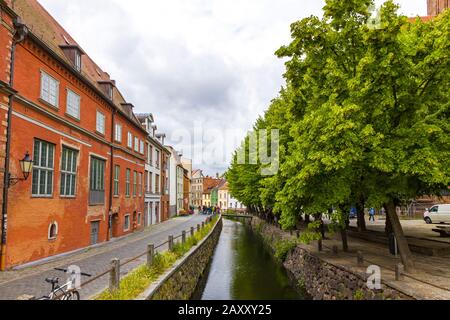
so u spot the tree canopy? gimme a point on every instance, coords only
(364, 117)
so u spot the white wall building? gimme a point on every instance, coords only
(176, 173)
(197, 188)
(234, 204)
(152, 176)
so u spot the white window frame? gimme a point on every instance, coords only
(129, 222)
(130, 140)
(54, 223)
(141, 147)
(78, 61)
(47, 168)
(101, 129)
(116, 182)
(136, 144)
(118, 133)
(45, 93)
(69, 172)
(71, 93)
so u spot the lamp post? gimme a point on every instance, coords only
(26, 165)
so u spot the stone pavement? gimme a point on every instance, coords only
(31, 281)
(430, 281)
(412, 228)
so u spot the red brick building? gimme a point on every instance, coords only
(165, 196)
(87, 146)
(435, 7)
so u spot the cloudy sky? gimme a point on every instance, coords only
(207, 64)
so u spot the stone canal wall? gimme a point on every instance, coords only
(321, 279)
(180, 282)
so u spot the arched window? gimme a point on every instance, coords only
(53, 231)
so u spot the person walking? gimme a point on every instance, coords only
(372, 214)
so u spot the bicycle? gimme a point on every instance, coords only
(64, 292)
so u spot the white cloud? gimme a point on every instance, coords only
(199, 60)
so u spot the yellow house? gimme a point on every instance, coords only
(223, 197)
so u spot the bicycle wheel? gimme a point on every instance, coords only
(74, 295)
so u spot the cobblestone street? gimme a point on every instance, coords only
(31, 281)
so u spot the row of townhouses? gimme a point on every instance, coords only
(212, 192)
(77, 166)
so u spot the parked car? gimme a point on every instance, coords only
(437, 214)
(353, 213)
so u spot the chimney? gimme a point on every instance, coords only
(436, 7)
(161, 137)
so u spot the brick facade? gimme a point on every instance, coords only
(6, 40)
(51, 223)
(435, 7)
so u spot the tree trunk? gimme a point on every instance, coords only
(405, 252)
(344, 239)
(307, 219)
(388, 228)
(361, 219)
(322, 225)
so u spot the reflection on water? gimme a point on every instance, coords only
(243, 269)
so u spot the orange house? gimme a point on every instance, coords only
(86, 144)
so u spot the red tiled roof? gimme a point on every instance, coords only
(47, 29)
(424, 19)
(209, 184)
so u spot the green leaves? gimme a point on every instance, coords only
(364, 115)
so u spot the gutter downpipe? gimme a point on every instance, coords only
(111, 177)
(21, 31)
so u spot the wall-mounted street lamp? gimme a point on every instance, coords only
(26, 165)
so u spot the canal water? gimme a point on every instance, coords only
(242, 268)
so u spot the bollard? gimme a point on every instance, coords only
(114, 275)
(320, 245)
(360, 259)
(335, 250)
(399, 270)
(198, 228)
(183, 237)
(192, 231)
(150, 254)
(298, 233)
(170, 243)
(203, 225)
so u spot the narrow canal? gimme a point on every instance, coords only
(242, 268)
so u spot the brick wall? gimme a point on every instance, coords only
(435, 7)
(6, 38)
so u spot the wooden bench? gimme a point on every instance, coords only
(444, 231)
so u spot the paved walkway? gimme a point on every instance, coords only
(431, 279)
(412, 228)
(94, 261)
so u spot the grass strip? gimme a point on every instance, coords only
(138, 280)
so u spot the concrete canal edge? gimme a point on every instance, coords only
(321, 279)
(180, 282)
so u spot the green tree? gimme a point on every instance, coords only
(364, 118)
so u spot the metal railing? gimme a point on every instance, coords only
(116, 264)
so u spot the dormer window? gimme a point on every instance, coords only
(78, 61)
(73, 53)
(107, 88)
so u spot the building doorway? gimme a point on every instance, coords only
(95, 230)
(157, 216)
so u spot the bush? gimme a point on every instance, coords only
(132, 285)
(283, 248)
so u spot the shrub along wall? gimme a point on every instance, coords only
(180, 282)
(322, 280)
